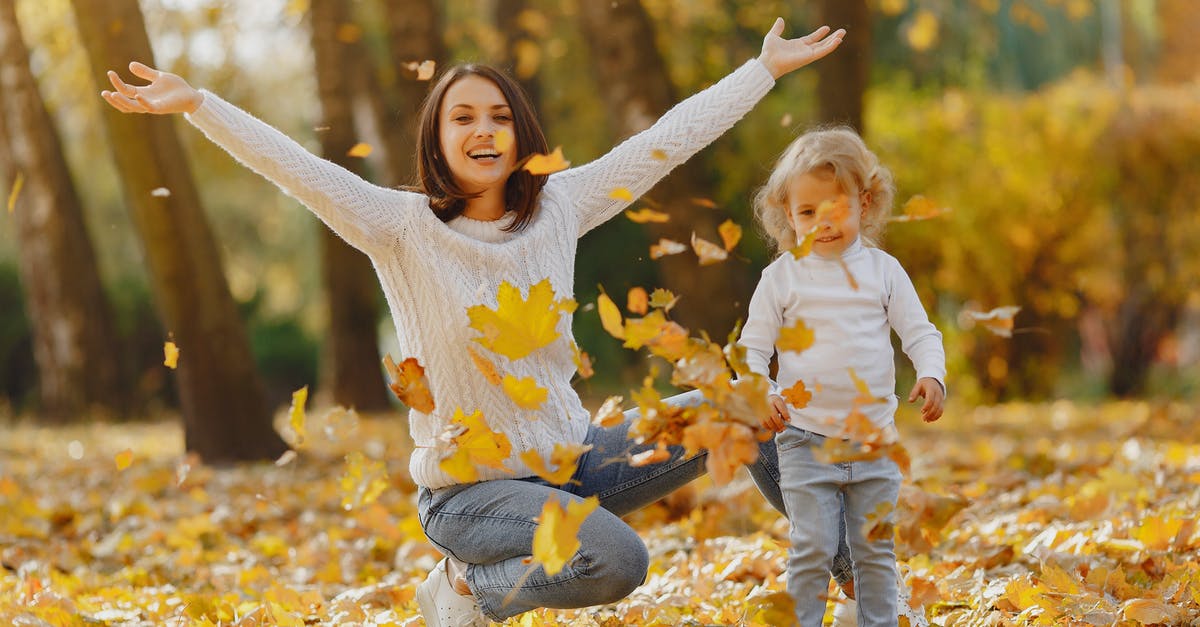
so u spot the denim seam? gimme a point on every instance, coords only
(647, 478)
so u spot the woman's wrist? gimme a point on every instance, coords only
(194, 102)
(767, 62)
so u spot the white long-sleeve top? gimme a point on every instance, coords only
(432, 272)
(851, 329)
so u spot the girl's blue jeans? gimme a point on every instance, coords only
(489, 525)
(828, 503)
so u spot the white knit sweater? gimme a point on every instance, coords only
(851, 329)
(432, 272)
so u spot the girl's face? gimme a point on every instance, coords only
(836, 229)
(473, 110)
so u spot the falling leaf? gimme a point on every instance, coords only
(485, 366)
(998, 320)
(18, 183)
(539, 164)
(473, 443)
(621, 193)
(124, 459)
(565, 457)
(656, 455)
(849, 275)
(786, 120)
(666, 247)
(658, 154)
(892, 7)
(503, 140)
(707, 203)
(637, 301)
(730, 233)
(519, 326)
(556, 538)
(583, 362)
(170, 355)
(663, 299)
(288, 457)
(296, 414)
(864, 391)
(409, 384)
(525, 392)
(796, 338)
(729, 445)
(804, 247)
(610, 316)
(642, 216)
(610, 413)
(363, 481)
(708, 252)
(424, 69)
(360, 150)
(922, 33)
(918, 208)
(160, 192)
(797, 396)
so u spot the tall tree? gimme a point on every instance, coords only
(636, 90)
(517, 23)
(350, 369)
(842, 77)
(75, 338)
(1180, 53)
(224, 407)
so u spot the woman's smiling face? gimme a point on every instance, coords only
(473, 111)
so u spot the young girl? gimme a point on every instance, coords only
(830, 188)
(476, 222)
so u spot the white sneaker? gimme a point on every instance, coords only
(845, 612)
(442, 606)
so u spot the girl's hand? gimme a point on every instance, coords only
(781, 56)
(778, 419)
(166, 93)
(932, 392)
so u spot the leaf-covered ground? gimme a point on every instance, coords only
(1021, 514)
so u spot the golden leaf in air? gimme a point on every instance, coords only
(170, 355)
(922, 32)
(124, 459)
(892, 7)
(484, 366)
(656, 455)
(518, 326)
(360, 150)
(583, 362)
(707, 203)
(796, 338)
(540, 164)
(644, 215)
(504, 140)
(18, 183)
(864, 391)
(998, 320)
(363, 480)
(731, 234)
(296, 414)
(160, 192)
(424, 69)
(556, 538)
(797, 396)
(786, 120)
(639, 331)
(918, 208)
(658, 154)
(708, 252)
(610, 413)
(666, 247)
(804, 247)
(730, 445)
(663, 299)
(409, 384)
(564, 457)
(637, 301)
(610, 316)
(525, 392)
(621, 193)
(472, 444)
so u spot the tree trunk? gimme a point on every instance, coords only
(224, 407)
(350, 370)
(522, 54)
(636, 91)
(75, 338)
(1179, 57)
(842, 77)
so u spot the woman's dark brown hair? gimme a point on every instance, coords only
(435, 179)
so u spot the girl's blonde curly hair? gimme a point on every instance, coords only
(838, 151)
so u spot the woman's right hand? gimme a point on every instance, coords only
(166, 93)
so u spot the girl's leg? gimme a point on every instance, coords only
(873, 482)
(490, 525)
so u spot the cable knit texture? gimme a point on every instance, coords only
(432, 272)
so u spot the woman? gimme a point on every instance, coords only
(476, 223)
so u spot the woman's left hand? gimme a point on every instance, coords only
(781, 56)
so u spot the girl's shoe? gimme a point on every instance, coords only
(441, 606)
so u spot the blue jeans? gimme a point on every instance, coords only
(489, 525)
(828, 501)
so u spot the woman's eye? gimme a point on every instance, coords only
(503, 118)
(463, 118)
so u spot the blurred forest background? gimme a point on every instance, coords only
(1063, 135)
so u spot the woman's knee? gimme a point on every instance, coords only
(617, 568)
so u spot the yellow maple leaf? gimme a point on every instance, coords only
(473, 444)
(621, 193)
(170, 355)
(796, 338)
(565, 457)
(731, 234)
(644, 215)
(638, 301)
(503, 140)
(708, 252)
(610, 413)
(124, 459)
(525, 392)
(797, 396)
(518, 326)
(639, 331)
(18, 183)
(363, 480)
(485, 366)
(409, 383)
(556, 538)
(360, 150)
(663, 299)
(296, 414)
(539, 164)
(666, 247)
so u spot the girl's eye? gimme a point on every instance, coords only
(807, 213)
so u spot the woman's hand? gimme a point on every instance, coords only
(929, 389)
(166, 93)
(781, 56)
(778, 419)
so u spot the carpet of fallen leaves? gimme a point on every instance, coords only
(1019, 514)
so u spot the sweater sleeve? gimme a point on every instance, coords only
(363, 214)
(919, 339)
(759, 334)
(642, 160)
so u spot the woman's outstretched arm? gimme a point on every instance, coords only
(363, 214)
(642, 160)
